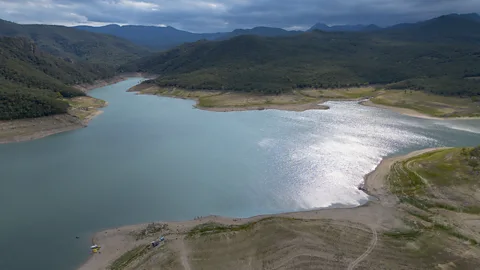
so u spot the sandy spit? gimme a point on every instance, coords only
(412, 113)
(377, 214)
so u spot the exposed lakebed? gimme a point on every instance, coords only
(149, 158)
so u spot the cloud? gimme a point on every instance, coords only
(216, 15)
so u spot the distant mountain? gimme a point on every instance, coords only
(460, 28)
(75, 44)
(469, 16)
(153, 37)
(163, 38)
(345, 28)
(259, 31)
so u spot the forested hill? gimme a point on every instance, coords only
(33, 82)
(76, 45)
(40, 63)
(440, 56)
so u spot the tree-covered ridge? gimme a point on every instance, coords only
(76, 45)
(419, 56)
(40, 63)
(33, 82)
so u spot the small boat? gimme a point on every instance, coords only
(95, 248)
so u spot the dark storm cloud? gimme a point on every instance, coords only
(216, 15)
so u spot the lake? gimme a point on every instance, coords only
(149, 158)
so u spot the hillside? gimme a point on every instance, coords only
(438, 61)
(33, 83)
(76, 45)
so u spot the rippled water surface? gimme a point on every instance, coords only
(150, 158)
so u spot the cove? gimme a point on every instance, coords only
(149, 158)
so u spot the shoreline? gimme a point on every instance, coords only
(376, 214)
(29, 129)
(412, 113)
(301, 107)
(59, 124)
(20, 130)
(316, 103)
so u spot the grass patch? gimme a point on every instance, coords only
(430, 104)
(214, 228)
(85, 106)
(127, 258)
(340, 93)
(453, 232)
(420, 216)
(250, 100)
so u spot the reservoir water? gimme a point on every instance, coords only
(149, 158)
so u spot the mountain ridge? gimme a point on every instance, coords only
(163, 38)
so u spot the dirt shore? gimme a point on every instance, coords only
(412, 113)
(377, 215)
(31, 129)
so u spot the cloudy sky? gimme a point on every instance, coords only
(225, 15)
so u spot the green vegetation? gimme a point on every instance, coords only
(129, 257)
(411, 58)
(213, 228)
(429, 104)
(75, 45)
(435, 189)
(39, 64)
(32, 83)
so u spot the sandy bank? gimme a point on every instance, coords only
(378, 215)
(412, 113)
(82, 110)
(31, 129)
